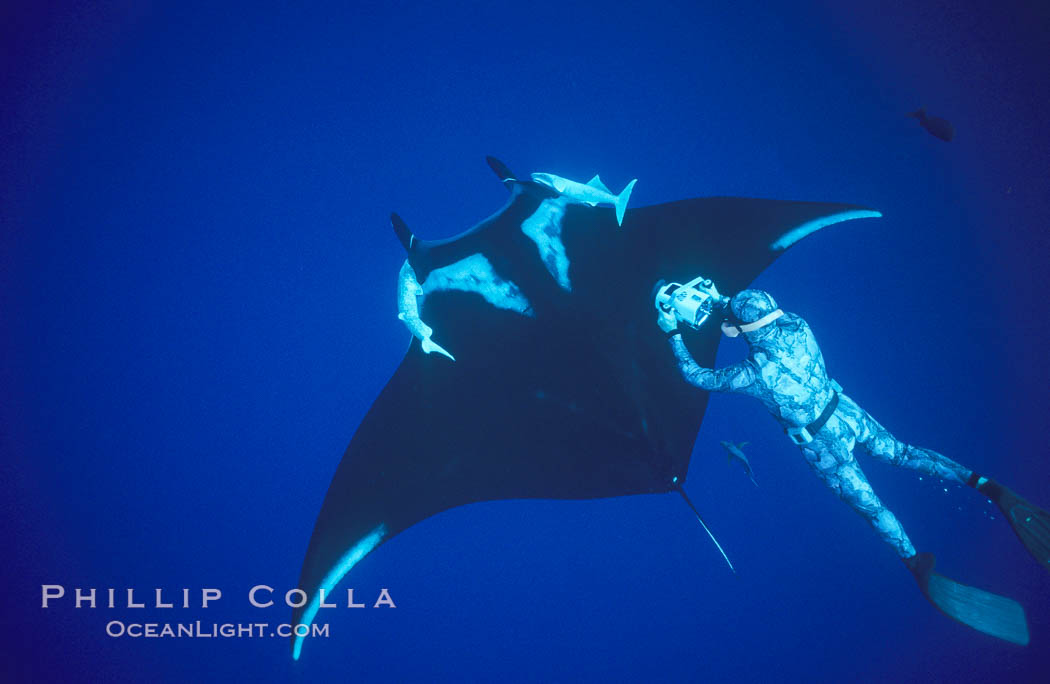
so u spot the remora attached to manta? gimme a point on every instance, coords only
(591, 193)
(562, 387)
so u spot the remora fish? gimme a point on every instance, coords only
(593, 192)
(408, 291)
(736, 451)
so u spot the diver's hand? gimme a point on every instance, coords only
(667, 321)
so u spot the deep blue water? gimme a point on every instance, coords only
(197, 308)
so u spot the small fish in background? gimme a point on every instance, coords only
(735, 451)
(934, 125)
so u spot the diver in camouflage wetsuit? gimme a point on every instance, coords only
(785, 370)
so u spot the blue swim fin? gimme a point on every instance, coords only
(992, 614)
(1030, 523)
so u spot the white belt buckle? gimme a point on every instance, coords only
(799, 435)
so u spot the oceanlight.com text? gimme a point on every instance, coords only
(211, 630)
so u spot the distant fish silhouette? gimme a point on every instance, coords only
(934, 125)
(735, 451)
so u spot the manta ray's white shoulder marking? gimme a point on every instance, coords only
(544, 228)
(475, 274)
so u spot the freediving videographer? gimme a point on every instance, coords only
(784, 369)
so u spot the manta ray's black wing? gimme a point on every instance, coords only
(579, 397)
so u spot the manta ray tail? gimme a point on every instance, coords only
(622, 200)
(403, 232)
(700, 519)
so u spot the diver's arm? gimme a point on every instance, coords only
(735, 378)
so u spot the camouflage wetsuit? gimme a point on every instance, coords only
(784, 369)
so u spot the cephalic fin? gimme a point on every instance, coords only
(501, 170)
(403, 232)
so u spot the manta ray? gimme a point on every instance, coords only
(552, 380)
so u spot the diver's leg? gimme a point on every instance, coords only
(833, 463)
(878, 442)
(1029, 522)
(831, 459)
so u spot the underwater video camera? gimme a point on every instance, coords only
(691, 303)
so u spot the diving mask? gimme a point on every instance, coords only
(691, 303)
